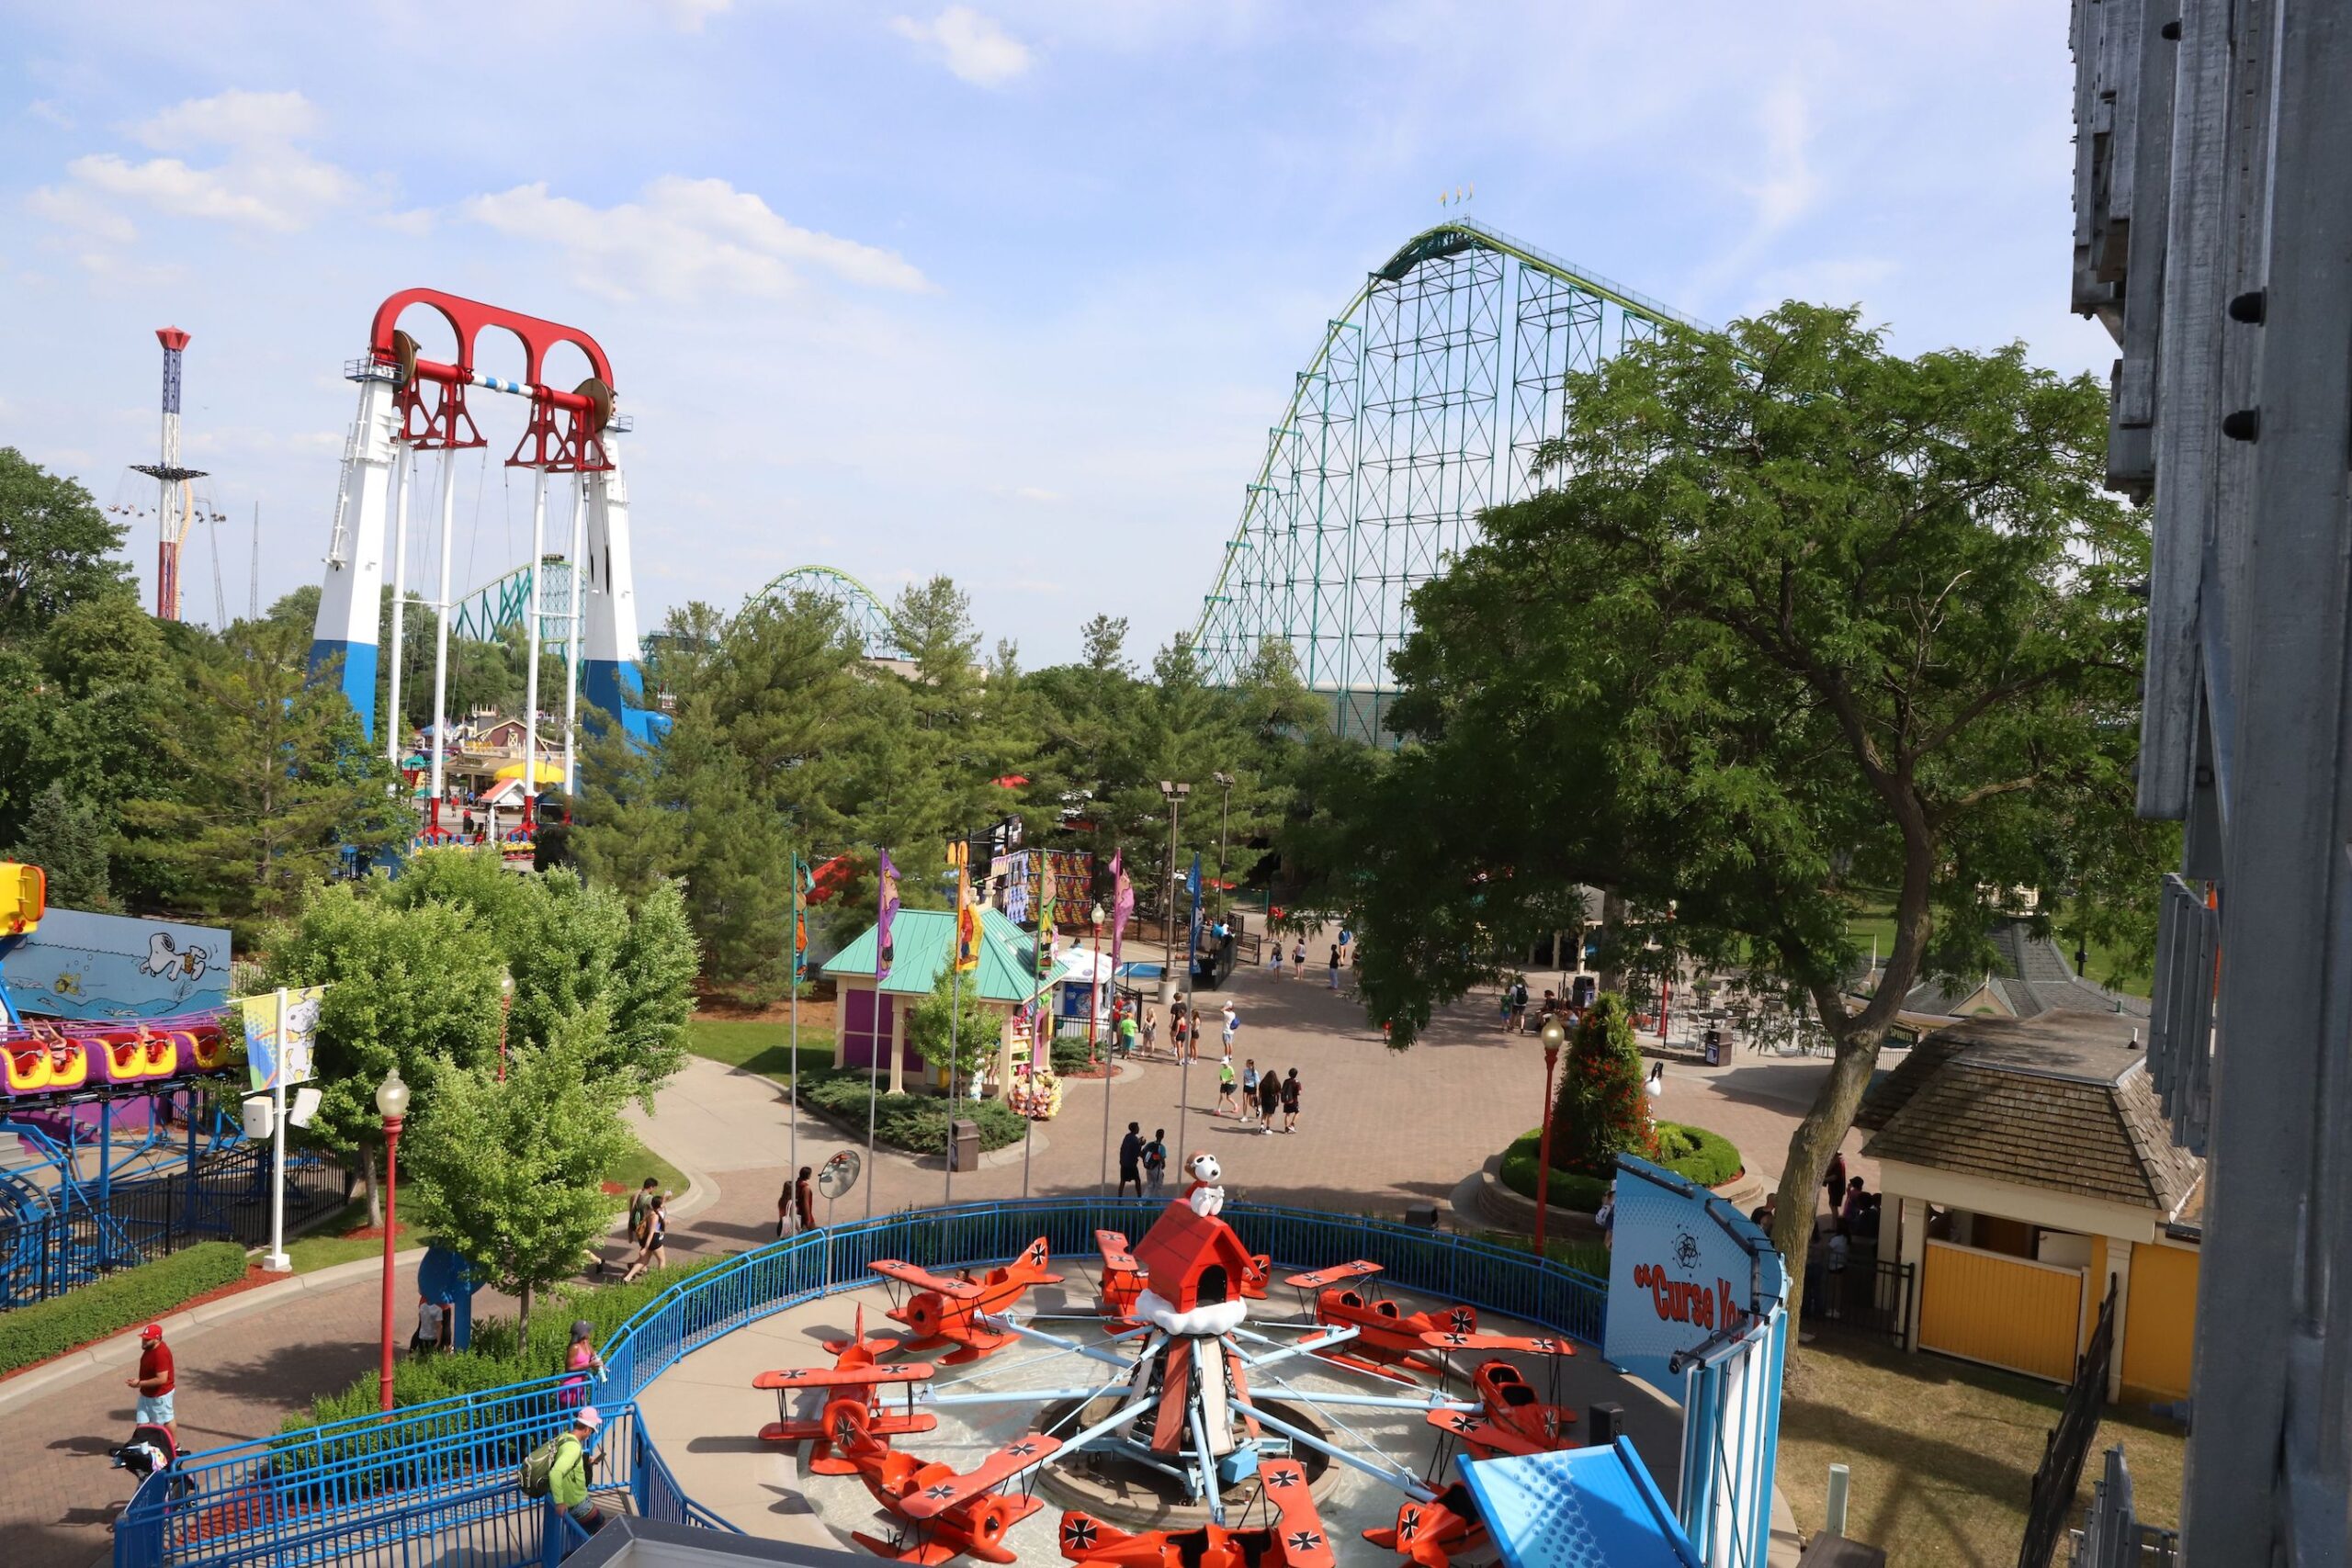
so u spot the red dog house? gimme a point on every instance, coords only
(1190, 1261)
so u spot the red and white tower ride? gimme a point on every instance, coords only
(175, 506)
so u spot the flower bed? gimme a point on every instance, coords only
(1708, 1158)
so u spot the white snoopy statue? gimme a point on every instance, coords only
(1205, 1195)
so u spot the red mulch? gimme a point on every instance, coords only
(255, 1275)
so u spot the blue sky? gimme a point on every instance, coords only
(1007, 290)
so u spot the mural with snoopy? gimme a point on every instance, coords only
(102, 967)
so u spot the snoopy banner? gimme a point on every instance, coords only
(272, 1037)
(94, 968)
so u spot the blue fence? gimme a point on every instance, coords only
(437, 1479)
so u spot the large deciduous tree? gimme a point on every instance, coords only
(1796, 622)
(56, 548)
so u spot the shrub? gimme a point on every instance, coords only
(914, 1121)
(1708, 1158)
(1071, 1055)
(116, 1302)
(1602, 1111)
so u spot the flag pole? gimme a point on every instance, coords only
(793, 939)
(958, 853)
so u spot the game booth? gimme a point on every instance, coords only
(1117, 1382)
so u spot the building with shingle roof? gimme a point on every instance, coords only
(2032, 975)
(2029, 1166)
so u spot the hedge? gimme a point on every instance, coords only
(1708, 1158)
(496, 1361)
(917, 1122)
(116, 1302)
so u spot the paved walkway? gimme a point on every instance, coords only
(1378, 1129)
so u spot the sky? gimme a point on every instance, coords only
(1010, 290)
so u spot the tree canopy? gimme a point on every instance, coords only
(1796, 623)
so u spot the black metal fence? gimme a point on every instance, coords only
(1870, 1296)
(147, 1217)
(2052, 1502)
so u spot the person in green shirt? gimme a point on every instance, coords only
(568, 1477)
(1225, 1085)
(1126, 1035)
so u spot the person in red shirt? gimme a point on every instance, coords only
(155, 1382)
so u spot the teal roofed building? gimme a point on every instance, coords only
(869, 1021)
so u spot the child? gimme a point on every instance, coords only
(1290, 1102)
(1224, 1085)
(1248, 1088)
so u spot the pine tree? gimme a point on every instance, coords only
(67, 839)
(1602, 1111)
(978, 1028)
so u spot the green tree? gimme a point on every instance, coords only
(412, 987)
(57, 549)
(977, 1027)
(510, 1176)
(67, 839)
(1602, 1111)
(1797, 619)
(274, 784)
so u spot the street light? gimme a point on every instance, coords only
(1174, 793)
(505, 1006)
(1554, 1037)
(392, 1103)
(1225, 831)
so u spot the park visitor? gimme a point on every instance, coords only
(432, 1327)
(1833, 1181)
(558, 1470)
(641, 1202)
(1131, 1159)
(1155, 1159)
(804, 1199)
(1249, 1087)
(1232, 1027)
(1269, 1100)
(1335, 965)
(1152, 1026)
(1298, 957)
(1223, 1084)
(1290, 1101)
(157, 1380)
(1277, 960)
(651, 1245)
(1126, 1035)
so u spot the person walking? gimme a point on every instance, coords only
(1269, 1100)
(651, 1246)
(158, 1376)
(580, 1358)
(1249, 1087)
(1131, 1159)
(560, 1470)
(638, 1203)
(1298, 957)
(1335, 965)
(1833, 1181)
(1224, 1085)
(1151, 1027)
(1232, 1027)
(1277, 960)
(433, 1326)
(1155, 1159)
(1178, 1033)
(1290, 1101)
(1126, 1035)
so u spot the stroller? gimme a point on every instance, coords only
(151, 1448)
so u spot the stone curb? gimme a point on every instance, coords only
(1502, 1207)
(107, 1355)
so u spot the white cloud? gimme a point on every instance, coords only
(685, 238)
(1039, 493)
(689, 16)
(972, 46)
(265, 181)
(234, 118)
(1789, 187)
(48, 109)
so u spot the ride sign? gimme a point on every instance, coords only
(1684, 1266)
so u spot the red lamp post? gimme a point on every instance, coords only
(392, 1101)
(1554, 1037)
(1094, 983)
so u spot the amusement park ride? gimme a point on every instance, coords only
(92, 1106)
(1175, 1414)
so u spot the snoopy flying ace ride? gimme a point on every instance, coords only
(1205, 1196)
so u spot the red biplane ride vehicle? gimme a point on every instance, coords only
(1512, 1419)
(854, 1380)
(1389, 1339)
(940, 1514)
(1294, 1539)
(946, 1311)
(1429, 1534)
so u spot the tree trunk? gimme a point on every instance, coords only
(523, 1317)
(374, 1186)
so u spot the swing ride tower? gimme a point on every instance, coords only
(175, 506)
(410, 405)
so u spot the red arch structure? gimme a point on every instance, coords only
(563, 433)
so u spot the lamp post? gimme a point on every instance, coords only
(1173, 793)
(392, 1101)
(1095, 980)
(1224, 832)
(505, 1006)
(1554, 1037)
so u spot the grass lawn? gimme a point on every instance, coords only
(759, 1045)
(631, 1169)
(1942, 1452)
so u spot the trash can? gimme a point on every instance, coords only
(964, 1137)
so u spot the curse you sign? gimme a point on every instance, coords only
(1685, 1268)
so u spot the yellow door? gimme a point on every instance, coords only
(2159, 1323)
(2005, 1312)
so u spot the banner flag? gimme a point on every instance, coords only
(885, 909)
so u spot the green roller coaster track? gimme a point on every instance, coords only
(486, 613)
(1425, 403)
(860, 605)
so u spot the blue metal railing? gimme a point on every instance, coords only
(411, 1485)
